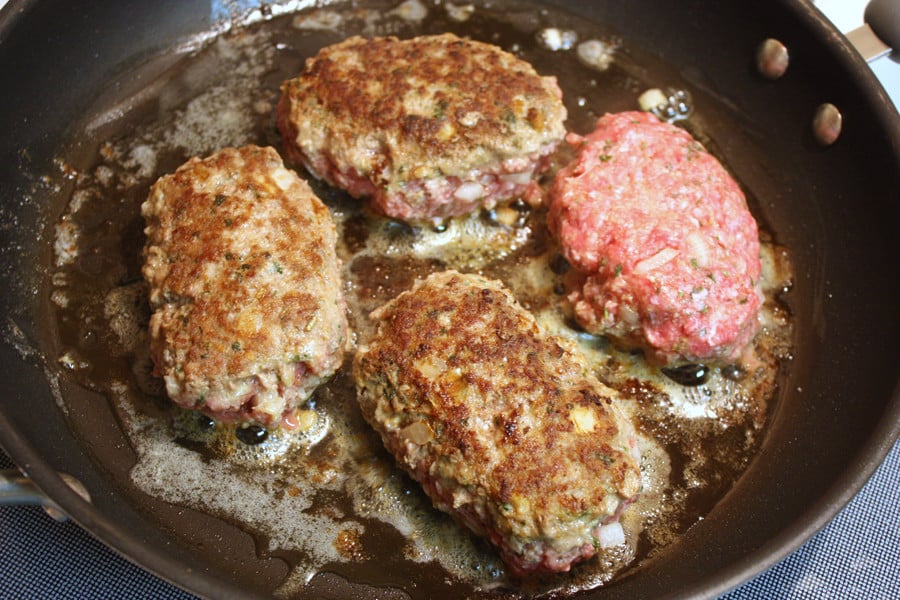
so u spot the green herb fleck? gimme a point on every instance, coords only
(219, 199)
(440, 108)
(236, 346)
(618, 270)
(605, 157)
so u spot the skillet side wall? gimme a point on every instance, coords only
(836, 208)
(56, 59)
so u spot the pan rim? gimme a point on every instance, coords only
(870, 455)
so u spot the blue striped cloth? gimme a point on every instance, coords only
(856, 556)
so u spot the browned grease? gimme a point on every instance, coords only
(330, 498)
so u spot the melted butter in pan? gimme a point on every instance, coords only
(329, 497)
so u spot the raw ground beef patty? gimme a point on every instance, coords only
(429, 128)
(504, 427)
(666, 250)
(248, 316)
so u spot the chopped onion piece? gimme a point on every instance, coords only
(655, 261)
(595, 54)
(555, 39)
(651, 99)
(611, 535)
(411, 10)
(469, 192)
(417, 433)
(460, 13)
(517, 178)
(698, 248)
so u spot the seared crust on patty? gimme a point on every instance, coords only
(383, 117)
(503, 426)
(248, 315)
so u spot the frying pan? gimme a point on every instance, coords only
(837, 207)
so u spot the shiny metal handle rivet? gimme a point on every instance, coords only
(772, 59)
(827, 124)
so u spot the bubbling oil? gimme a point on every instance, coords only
(328, 495)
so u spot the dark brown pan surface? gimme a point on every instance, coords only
(837, 214)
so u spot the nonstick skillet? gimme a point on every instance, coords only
(836, 208)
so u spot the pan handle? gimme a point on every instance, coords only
(18, 489)
(883, 16)
(881, 30)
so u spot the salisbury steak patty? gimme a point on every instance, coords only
(667, 250)
(248, 316)
(430, 127)
(504, 427)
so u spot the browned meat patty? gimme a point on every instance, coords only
(430, 127)
(248, 316)
(503, 426)
(662, 236)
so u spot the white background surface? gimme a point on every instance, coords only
(848, 15)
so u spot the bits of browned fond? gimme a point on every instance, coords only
(465, 390)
